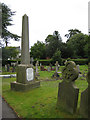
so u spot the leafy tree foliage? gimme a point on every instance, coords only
(75, 47)
(57, 56)
(78, 44)
(6, 21)
(53, 42)
(66, 51)
(38, 50)
(9, 52)
(89, 49)
(71, 33)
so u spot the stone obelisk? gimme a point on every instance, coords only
(25, 55)
(25, 72)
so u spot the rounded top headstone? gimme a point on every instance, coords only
(70, 72)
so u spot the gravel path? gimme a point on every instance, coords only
(5, 110)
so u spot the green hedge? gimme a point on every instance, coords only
(80, 61)
(44, 62)
(77, 61)
(47, 62)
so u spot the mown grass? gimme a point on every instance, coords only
(40, 102)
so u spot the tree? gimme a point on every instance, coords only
(53, 42)
(38, 50)
(66, 51)
(71, 33)
(57, 56)
(77, 43)
(9, 52)
(6, 21)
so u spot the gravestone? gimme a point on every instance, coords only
(50, 66)
(42, 68)
(56, 64)
(32, 60)
(36, 72)
(49, 69)
(8, 67)
(67, 91)
(56, 75)
(78, 68)
(25, 72)
(84, 103)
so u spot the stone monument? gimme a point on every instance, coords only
(84, 104)
(78, 68)
(36, 72)
(56, 75)
(68, 92)
(25, 72)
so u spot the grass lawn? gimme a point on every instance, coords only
(40, 102)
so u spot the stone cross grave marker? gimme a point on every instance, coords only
(67, 91)
(25, 73)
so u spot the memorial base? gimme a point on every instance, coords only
(24, 87)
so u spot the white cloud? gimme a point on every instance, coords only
(46, 16)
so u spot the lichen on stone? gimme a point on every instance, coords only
(70, 72)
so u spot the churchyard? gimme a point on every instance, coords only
(39, 91)
(41, 102)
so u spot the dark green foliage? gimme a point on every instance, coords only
(6, 21)
(53, 42)
(80, 61)
(9, 52)
(57, 56)
(38, 50)
(89, 49)
(71, 33)
(78, 45)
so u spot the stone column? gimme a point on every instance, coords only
(25, 55)
(25, 72)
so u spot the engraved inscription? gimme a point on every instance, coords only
(29, 74)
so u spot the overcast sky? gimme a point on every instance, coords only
(46, 16)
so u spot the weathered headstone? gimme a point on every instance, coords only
(42, 68)
(78, 68)
(37, 73)
(68, 92)
(32, 60)
(56, 75)
(56, 64)
(8, 67)
(49, 69)
(50, 66)
(5, 68)
(25, 73)
(84, 103)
